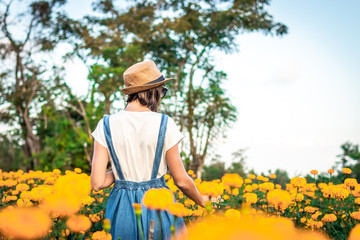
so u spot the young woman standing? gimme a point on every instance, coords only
(140, 144)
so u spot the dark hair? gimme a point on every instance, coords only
(149, 98)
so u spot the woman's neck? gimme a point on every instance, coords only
(135, 106)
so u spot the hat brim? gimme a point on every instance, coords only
(135, 89)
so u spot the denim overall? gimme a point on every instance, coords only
(124, 193)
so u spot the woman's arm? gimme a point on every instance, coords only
(100, 179)
(181, 179)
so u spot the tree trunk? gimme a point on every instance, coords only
(197, 164)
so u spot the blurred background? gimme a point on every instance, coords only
(260, 86)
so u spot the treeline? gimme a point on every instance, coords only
(45, 125)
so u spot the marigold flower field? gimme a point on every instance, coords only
(56, 205)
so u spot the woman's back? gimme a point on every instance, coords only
(134, 137)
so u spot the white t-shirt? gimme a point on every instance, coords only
(134, 136)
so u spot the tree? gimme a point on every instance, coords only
(22, 83)
(349, 158)
(238, 164)
(282, 177)
(215, 170)
(181, 37)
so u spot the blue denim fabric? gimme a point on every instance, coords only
(124, 193)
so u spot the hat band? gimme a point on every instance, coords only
(161, 78)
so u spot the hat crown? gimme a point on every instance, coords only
(141, 73)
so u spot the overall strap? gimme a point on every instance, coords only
(159, 146)
(111, 147)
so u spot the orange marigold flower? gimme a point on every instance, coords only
(232, 180)
(355, 215)
(101, 235)
(159, 199)
(94, 217)
(331, 171)
(350, 182)
(278, 198)
(357, 200)
(314, 224)
(77, 170)
(252, 176)
(248, 181)
(235, 192)
(22, 187)
(211, 189)
(107, 225)
(309, 209)
(267, 186)
(225, 197)
(272, 176)
(248, 188)
(232, 213)
(329, 218)
(250, 198)
(190, 203)
(355, 233)
(32, 222)
(179, 210)
(78, 223)
(346, 170)
(314, 172)
(298, 182)
(137, 208)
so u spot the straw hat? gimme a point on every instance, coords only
(142, 76)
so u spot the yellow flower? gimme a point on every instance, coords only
(298, 182)
(355, 215)
(355, 233)
(232, 180)
(244, 227)
(252, 176)
(137, 208)
(346, 170)
(107, 225)
(314, 172)
(24, 223)
(232, 213)
(250, 198)
(247, 181)
(211, 189)
(179, 210)
(314, 224)
(159, 199)
(298, 197)
(329, 218)
(331, 171)
(248, 188)
(309, 209)
(272, 176)
(278, 198)
(101, 235)
(77, 170)
(350, 182)
(22, 187)
(267, 186)
(189, 202)
(94, 217)
(225, 197)
(78, 223)
(235, 192)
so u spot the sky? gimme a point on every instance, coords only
(298, 96)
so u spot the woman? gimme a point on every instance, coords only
(140, 143)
